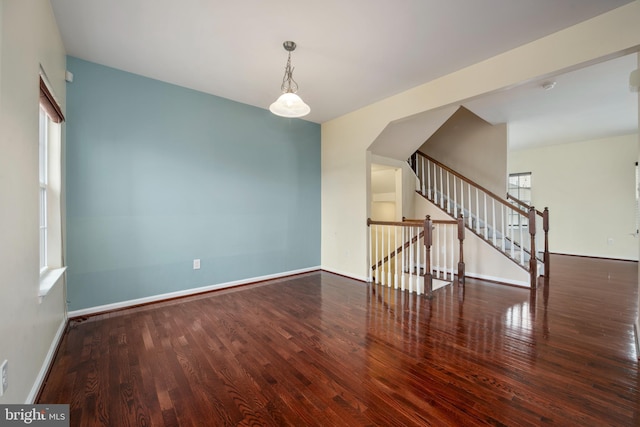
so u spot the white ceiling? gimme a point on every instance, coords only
(589, 103)
(350, 53)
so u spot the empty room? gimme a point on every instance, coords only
(333, 213)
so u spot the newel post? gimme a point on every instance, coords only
(428, 239)
(533, 261)
(545, 227)
(461, 240)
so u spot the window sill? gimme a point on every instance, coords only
(48, 279)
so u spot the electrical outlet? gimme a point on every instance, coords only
(4, 369)
(196, 264)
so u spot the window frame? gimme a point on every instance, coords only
(43, 179)
(516, 220)
(50, 190)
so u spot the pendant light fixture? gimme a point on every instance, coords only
(289, 104)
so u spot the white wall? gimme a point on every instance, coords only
(29, 38)
(475, 148)
(400, 179)
(383, 192)
(345, 139)
(589, 188)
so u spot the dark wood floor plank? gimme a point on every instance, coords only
(320, 349)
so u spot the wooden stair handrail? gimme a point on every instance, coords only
(476, 185)
(523, 204)
(435, 221)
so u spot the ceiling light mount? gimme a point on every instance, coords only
(289, 104)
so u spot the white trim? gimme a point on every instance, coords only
(48, 280)
(47, 362)
(519, 283)
(186, 292)
(349, 275)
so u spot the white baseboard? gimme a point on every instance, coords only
(47, 362)
(349, 275)
(518, 283)
(186, 292)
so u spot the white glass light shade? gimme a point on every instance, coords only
(289, 105)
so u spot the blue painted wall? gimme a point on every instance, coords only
(158, 175)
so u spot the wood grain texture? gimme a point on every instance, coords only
(320, 349)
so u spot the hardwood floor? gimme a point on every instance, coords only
(320, 349)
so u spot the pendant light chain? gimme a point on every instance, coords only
(289, 85)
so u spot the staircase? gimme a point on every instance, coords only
(518, 231)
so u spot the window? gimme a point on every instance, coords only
(519, 188)
(43, 160)
(50, 188)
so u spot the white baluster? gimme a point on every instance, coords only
(521, 241)
(410, 258)
(448, 194)
(455, 198)
(419, 244)
(494, 228)
(383, 275)
(470, 215)
(396, 261)
(389, 256)
(422, 177)
(416, 252)
(511, 235)
(438, 250)
(429, 184)
(387, 248)
(477, 211)
(376, 261)
(441, 189)
(462, 197)
(454, 234)
(419, 248)
(404, 256)
(486, 218)
(370, 253)
(504, 236)
(445, 253)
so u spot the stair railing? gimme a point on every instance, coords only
(508, 227)
(545, 228)
(408, 255)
